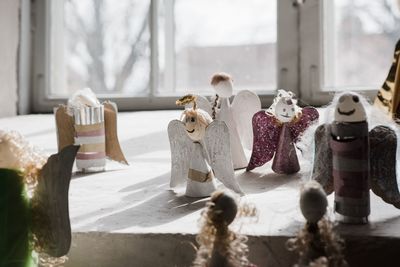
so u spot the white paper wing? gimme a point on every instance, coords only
(244, 106)
(181, 146)
(216, 141)
(204, 104)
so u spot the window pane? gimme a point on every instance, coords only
(101, 44)
(234, 36)
(360, 36)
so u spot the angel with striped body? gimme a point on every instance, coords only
(350, 159)
(199, 151)
(237, 115)
(92, 125)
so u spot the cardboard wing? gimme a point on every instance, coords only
(66, 131)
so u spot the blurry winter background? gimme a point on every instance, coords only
(106, 44)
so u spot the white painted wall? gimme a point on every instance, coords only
(9, 38)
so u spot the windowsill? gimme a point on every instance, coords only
(127, 216)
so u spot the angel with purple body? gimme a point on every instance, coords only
(275, 132)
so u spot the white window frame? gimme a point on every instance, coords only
(312, 58)
(288, 59)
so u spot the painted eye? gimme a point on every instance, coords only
(192, 119)
(355, 98)
(292, 109)
(280, 95)
(284, 110)
(342, 98)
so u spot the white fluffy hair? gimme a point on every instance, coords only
(375, 117)
(284, 94)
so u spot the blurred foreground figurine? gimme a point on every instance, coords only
(237, 115)
(388, 98)
(34, 215)
(349, 159)
(87, 122)
(219, 246)
(199, 150)
(316, 244)
(275, 132)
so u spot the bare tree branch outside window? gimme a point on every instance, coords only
(108, 46)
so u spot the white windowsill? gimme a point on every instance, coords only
(127, 216)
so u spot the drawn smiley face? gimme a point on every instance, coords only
(285, 109)
(194, 128)
(349, 109)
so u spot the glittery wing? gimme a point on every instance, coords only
(309, 115)
(244, 106)
(266, 132)
(203, 104)
(113, 148)
(322, 169)
(181, 147)
(216, 141)
(50, 212)
(64, 126)
(383, 150)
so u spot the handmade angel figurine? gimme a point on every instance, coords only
(275, 132)
(316, 244)
(93, 126)
(34, 211)
(237, 115)
(350, 159)
(220, 246)
(388, 97)
(199, 150)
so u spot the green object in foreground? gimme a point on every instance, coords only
(15, 249)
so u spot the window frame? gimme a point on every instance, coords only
(287, 60)
(312, 55)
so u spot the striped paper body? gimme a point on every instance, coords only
(350, 173)
(90, 134)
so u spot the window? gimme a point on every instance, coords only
(238, 37)
(346, 45)
(359, 42)
(144, 53)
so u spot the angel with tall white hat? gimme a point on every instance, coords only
(237, 115)
(200, 152)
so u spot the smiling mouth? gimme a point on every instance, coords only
(192, 131)
(286, 116)
(346, 113)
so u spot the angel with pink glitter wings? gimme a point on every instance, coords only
(275, 132)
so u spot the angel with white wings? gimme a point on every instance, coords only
(351, 157)
(200, 152)
(237, 115)
(276, 130)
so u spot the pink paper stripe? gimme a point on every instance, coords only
(91, 133)
(90, 155)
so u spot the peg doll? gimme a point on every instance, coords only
(316, 244)
(220, 246)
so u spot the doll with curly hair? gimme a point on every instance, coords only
(316, 244)
(220, 246)
(34, 216)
